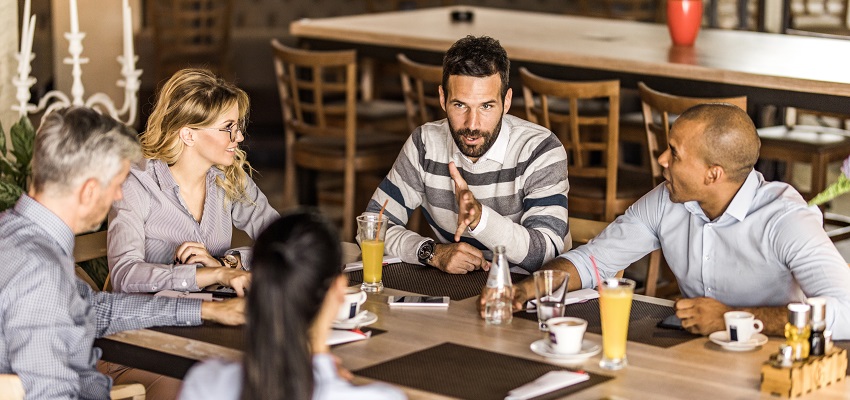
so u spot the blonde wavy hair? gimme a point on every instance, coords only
(196, 98)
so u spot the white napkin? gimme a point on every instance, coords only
(358, 265)
(549, 382)
(342, 336)
(577, 296)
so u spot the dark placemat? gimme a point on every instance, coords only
(222, 335)
(465, 372)
(431, 281)
(642, 321)
(844, 344)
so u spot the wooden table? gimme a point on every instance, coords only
(768, 68)
(696, 369)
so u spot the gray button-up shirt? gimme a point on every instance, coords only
(49, 318)
(152, 220)
(767, 249)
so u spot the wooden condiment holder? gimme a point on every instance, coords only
(804, 376)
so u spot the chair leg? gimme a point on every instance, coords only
(348, 206)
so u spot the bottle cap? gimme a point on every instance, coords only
(818, 309)
(798, 314)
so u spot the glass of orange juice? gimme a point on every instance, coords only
(615, 305)
(371, 229)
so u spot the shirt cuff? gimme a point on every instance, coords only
(587, 278)
(188, 312)
(482, 223)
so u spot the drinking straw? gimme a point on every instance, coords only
(381, 218)
(596, 270)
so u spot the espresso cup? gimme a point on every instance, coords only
(354, 298)
(741, 326)
(566, 334)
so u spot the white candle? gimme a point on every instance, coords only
(75, 22)
(128, 34)
(28, 49)
(25, 20)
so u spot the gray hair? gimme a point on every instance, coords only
(76, 144)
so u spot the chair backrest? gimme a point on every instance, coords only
(191, 33)
(591, 141)
(660, 110)
(419, 83)
(634, 10)
(818, 17)
(318, 92)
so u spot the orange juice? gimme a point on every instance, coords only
(615, 305)
(373, 258)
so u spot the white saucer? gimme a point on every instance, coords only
(366, 318)
(722, 339)
(588, 349)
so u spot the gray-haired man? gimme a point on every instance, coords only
(49, 318)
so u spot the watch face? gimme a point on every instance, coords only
(231, 260)
(426, 250)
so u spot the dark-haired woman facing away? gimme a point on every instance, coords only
(297, 290)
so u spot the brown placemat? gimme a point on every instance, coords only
(642, 322)
(431, 281)
(222, 335)
(465, 372)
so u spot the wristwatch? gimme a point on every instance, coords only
(229, 261)
(426, 252)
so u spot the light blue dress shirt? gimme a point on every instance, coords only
(768, 249)
(217, 379)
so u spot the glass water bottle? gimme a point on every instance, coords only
(499, 293)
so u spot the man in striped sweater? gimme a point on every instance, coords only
(482, 177)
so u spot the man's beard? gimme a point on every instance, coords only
(475, 151)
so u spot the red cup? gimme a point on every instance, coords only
(683, 20)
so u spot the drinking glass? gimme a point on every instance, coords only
(551, 289)
(615, 305)
(372, 229)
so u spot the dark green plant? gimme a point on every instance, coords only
(15, 161)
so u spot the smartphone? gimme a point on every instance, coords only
(419, 301)
(671, 322)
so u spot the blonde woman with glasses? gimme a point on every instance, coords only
(173, 228)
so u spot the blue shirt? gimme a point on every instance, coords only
(49, 318)
(216, 379)
(767, 249)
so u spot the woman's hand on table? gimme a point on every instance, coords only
(195, 253)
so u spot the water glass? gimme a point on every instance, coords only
(551, 290)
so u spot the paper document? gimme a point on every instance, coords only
(358, 265)
(578, 296)
(338, 336)
(549, 382)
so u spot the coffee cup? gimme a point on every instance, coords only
(354, 298)
(566, 334)
(741, 326)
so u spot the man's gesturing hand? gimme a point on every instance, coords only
(468, 208)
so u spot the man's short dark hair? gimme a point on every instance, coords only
(729, 139)
(478, 57)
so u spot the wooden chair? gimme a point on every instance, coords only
(191, 33)
(660, 110)
(592, 143)
(634, 10)
(11, 388)
(825, 18)
(87, 247)
(419, 84)
(321, 132)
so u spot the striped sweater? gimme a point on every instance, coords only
(521, 182)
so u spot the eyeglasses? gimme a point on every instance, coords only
(231, 130)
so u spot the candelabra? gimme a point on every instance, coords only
(56, 99)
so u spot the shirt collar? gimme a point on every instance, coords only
(497, 151)
(740, 204)
(166, 181)
(42, 216)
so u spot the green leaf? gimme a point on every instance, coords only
(9, 194)
(8, 169)
(23, 138)
(2, 140)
